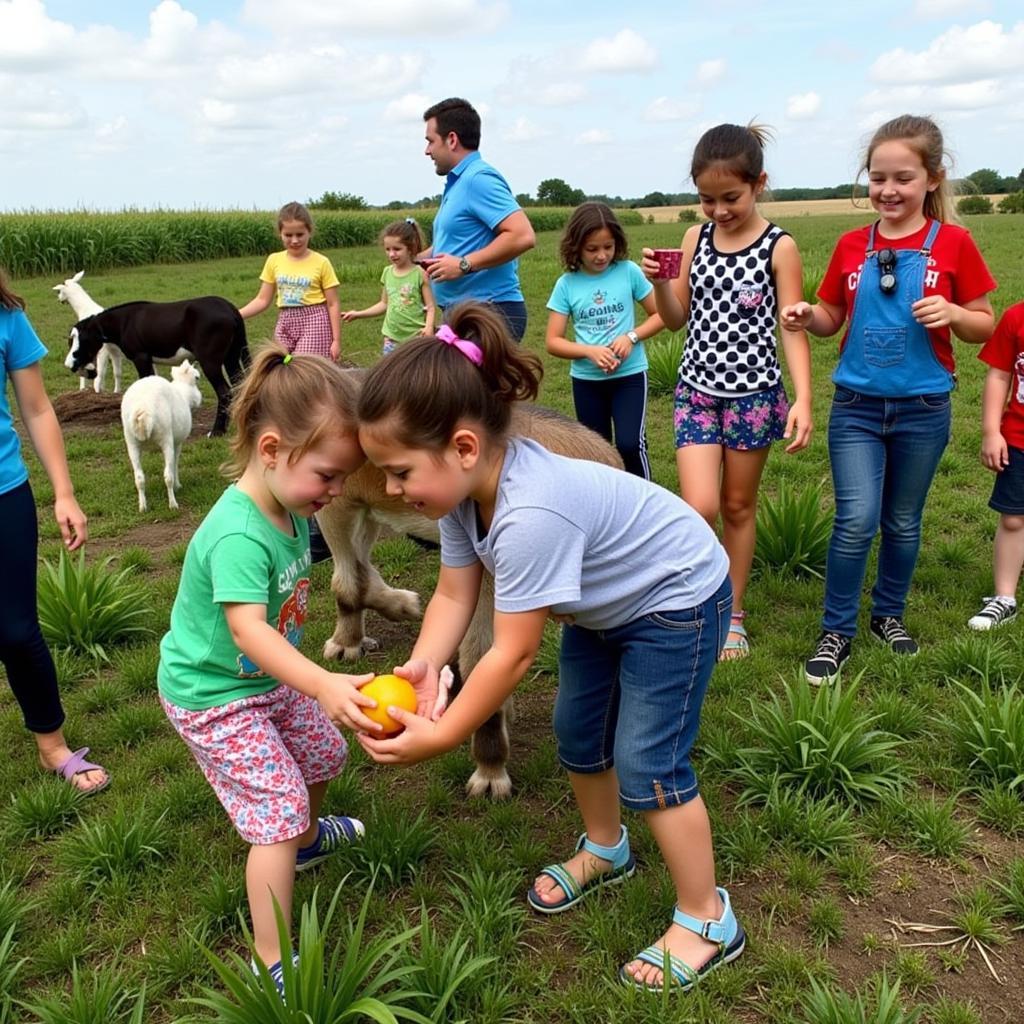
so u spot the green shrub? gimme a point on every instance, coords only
(793, 532)
(688, 216)
(663, 356)
(86, 608)
(1013, 203)
(974, 204)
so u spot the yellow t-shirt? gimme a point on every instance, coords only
(299, 282)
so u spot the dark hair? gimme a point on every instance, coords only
(426, 387)
(7, 298)
(739, 147)
(304, 399)
(294, 211)
(924, 137)
(407, 232)
(586, 218)
(456, 115)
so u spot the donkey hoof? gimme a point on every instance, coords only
(493, 782)
(334, 651)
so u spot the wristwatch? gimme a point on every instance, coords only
(465, 266)
(633, 337)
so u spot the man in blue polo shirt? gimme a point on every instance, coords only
(480, 229)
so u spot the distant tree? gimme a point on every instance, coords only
(986, 181)
(974, 204)
(1013, 203)
(556, 192)
(655, 199)
(524, 199)
(338, 201)
(397, 204)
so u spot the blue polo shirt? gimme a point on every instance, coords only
(19, 347)
(476, 200)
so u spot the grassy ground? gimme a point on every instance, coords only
(828, 888)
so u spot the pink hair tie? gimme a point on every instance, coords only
(470, 349)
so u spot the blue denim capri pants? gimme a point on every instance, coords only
(630, 698)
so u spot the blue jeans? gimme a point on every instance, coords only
(884, 453)
(630, 698)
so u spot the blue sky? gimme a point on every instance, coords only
(249, 104)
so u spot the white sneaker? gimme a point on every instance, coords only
(996, 611)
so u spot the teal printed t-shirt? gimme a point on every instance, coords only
(19, 347)
(236, 556)
(601, 307)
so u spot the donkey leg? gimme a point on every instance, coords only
(214, 371)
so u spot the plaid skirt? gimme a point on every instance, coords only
(304, 330)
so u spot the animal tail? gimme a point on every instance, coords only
(237, 358)
(141, 424)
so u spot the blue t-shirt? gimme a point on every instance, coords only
(586, 540)
(601, 307)
(19, 347)
(476, 200)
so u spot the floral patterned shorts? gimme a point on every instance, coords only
(743, 422)
(260, 753)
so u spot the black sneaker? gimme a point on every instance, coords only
(996, 611)
(891, 631)
(830, 654)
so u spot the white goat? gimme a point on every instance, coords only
(71, 292)
(160, 410)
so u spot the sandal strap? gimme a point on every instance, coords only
(712, 930)
(617, 854)
(76, 764)
(682, 972)
(572, 889)
(738, 616)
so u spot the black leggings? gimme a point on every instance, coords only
(23, 651)
(620, 402)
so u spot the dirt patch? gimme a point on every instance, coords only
(87, 412)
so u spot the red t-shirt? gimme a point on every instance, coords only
(1005, 351)
(956, 271)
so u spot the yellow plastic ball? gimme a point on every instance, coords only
(389, 691)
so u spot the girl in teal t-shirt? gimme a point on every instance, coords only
(598, 294)
(405, 299)
(259, 716)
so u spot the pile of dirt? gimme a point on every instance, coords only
(90, 413)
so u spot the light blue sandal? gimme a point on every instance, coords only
(623, 866)
(726, 931)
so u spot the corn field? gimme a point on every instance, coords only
(56, 243)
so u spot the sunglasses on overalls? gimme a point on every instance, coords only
(887, 265)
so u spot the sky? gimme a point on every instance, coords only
(183, 104)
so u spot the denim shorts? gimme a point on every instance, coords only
(741, 422)
(1008, 491)
(630, 698)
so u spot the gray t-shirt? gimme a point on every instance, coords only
(585, 540)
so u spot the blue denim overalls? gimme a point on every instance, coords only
(887, 352)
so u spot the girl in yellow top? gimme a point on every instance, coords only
(309, 311)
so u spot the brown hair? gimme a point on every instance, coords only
(407, 232)
(456, 115)
(7, 298)
(294, 211)
(426, 388)
(586, 218)
(739, 147)
(924, 137)
(304, 398)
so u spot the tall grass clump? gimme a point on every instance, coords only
(793, 532)
(818, 742)
(86, 608)
(987, 733)
(663, 356)
(99, 996)
(882, 1006)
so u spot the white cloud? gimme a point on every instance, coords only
(406, 109)
(958, 55)
(561, 94)
(664, 108)
(396, 17)
(29, 38)
(594, 137)
(710, 71)
(940, 99)
(524, 130)
(541, 81)
(625, 51)
(34, 105)
(948, 8)
(172, 31)
(803, 106)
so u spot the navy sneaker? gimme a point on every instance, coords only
(334, 830)
(891, 631)
(830, 654)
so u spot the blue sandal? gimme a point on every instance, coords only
(726, 931)
(623, 866)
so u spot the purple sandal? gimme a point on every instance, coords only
(76, 764)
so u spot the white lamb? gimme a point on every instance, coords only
(71, 292)
(159, 410)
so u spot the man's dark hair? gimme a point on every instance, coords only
(456, 115)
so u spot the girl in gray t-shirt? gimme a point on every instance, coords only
(636, 576)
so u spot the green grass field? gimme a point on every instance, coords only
(108, 899)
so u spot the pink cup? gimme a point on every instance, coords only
(670, 262)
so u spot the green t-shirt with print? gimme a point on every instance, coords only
(236, 556)
(405, 316)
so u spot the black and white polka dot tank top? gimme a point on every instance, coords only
(731, 347)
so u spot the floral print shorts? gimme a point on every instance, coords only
(742, 422)
(260, 753)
